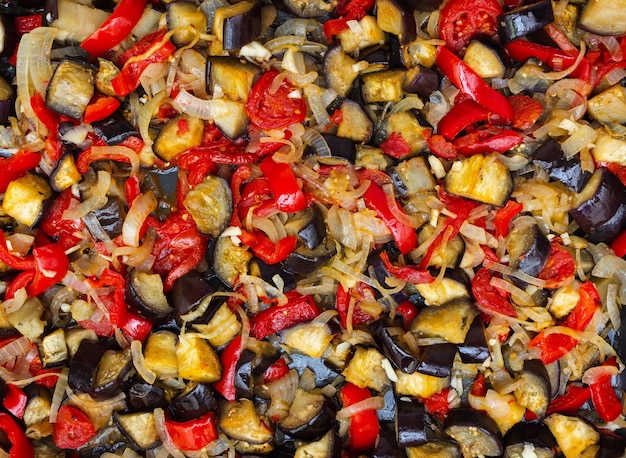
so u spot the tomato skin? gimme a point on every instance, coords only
(489, 297)
(460, 20)
(274, 110)
(73, 428)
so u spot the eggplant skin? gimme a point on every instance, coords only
(476, 433)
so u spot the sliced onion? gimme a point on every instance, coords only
(15, 348)
(58, 395)
(371, 403)
(141, 207)
(612, 306)
(166, 440)
(138, 361)
(145, 116)
(317, 141)
(245, 327)
(594, 374)
(313, 94)
(16, 302)
(96, 200)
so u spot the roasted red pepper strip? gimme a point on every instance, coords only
(342, 305)
(16, 166)
(73, 428)
(461, 116)
(298, 309)
(15, 400)
(193, 434)
(469, 82)
(489, 297)
(570, 402)
(22, 280)
(117, 27)
(27, 23)
(350, 11)
(66, 232)
(619, 245)
(20, 444)
(51, 265)
(604, 398)
(587, 305)
(526, 111)
(408, 311)
(521, 50)
(364, 426)
(404, 236)
(559, 268)
(268, 251)
(553, 345)
(88, 156)
(101, 108)
(505, 215)
(136, 327)
(406, 273)
(111, 286)
(441, 147)
(229, 358)
(287, 192)
(438, 404)
(276, 371)
(488, 140)
(50, 119)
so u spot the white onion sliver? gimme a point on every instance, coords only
(141, 207)
(18, 347)
(57, 396)
(159, 423)
(372, 403)
(139, 362)
(96, 200)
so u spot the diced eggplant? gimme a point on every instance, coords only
(476, 433)
(573, 434)
(196, 359)
(354, 124)
(421, 80)
(339, 70)
(610, 229)
(114, 129)
(145, 291)
(241, 421)
(366, 369)
(446, 289)
(222, 326)
(160, 354)
(324, 374)
(25, 198)
(244, 378)
(146, 396)
(396, 16)
(233, 76)
(28, 319)
(368, 34)
(438, 449)
(384, 86)
(387, 413)
(535, 435)
(598, 201)
(65, 174)
(139, 427)
(83, 366)
(310, 338)
(393, 348)
(110, 217)
(53, 349)
(75, 336)
(303, 260)
(419, 385)
(450, 321)
(71, 88)
(230, 260)
(109, 438)
(309, 226)
(386, 446)
(604, 17)
(408, 126)
(482, 178)
(534, 391)
(326, 447)
(107, 70)
(181, 15)
(524, 20)
(37, 414)
(114, 373)
(238, 24)
(7, 94)
(437, 360)
(340, 147)
(210, 203)
(173, 140)
(609, 149)
(550, 157)
(411, 423)
(75, 20)
(474, 349)
(308, 8)
(268, 272)
(486, 58)
(196, 400)
(609, 106)
(163, 184)
(612, 445)
(527, 246)
(310, 417)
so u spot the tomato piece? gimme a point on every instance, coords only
(553, 345)
(489, 297)
(73, 428)
(587, 305)
(505, 215)
(437, 404)
(526, 111)
(396, 146)
(559, 268)
(343, 304)
(269, 109)
(460, 20)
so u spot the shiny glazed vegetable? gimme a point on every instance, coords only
(302, 228)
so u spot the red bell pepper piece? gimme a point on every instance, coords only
(193, 434)
(51, 120)
(349, 11)
(526, 111)
(67, 232)
(441, 147)
(521, 50)
(266, 250)
(101, 108)
(12, 260)
(229, 359)
(404, 235)
(27, 23)
(342, 304)
(408, 311)
(276, 371)
(16, 166)
(396, 146)
(287, 192)
(132, 189)
(152, 48)
(604, 398)
(136, 327)
(479, 386)
(22, 280)
(15, 400)
(364, 426)
(488, 140)
(406, 273)
(88, 156)
(586, 306)
(461, 116)
(470, 83)
(553, 345)
(117, 27)
(51, 265)
(73, 428)
(36, 368)
(505, 215)
(559, 268)
(489, 297)
(570, 402)
(437, 404)
(619, 244)
(298, 309)
(20, 444)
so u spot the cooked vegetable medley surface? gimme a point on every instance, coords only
(310, 228)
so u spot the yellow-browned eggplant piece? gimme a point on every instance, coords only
(211, 205)
(71, 88)
(232, 75)
(482, 178)
(241, 421)
(450, 321)
(197, 360)
(25, 197)
(177, 135)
